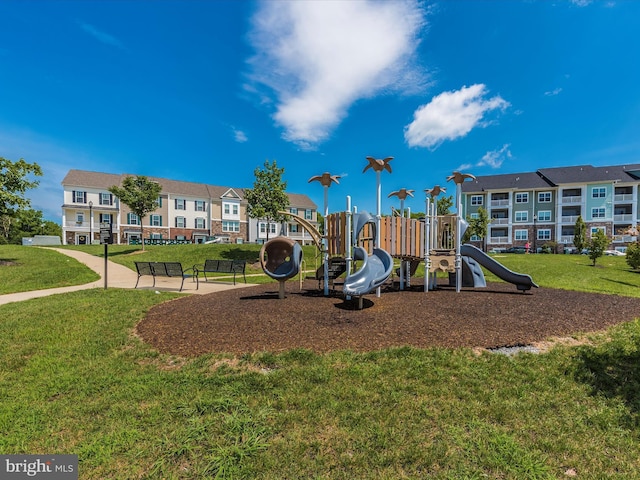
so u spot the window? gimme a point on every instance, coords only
(230, 210)
(521, 234)
(199, 205)
(79, 197)
(474, 215)
(181, 204)
(228, 226)
(227, 209)
(544, 216)
(522, 216)
(155, 220)
(522, 197)
(597, 213)
(598, 192)
(308, 214)
(544, 197)
(293, 227)
(79, 217)
(544, 234)
(181, 222)
(105, 218)
(476, 200)
(595, 229)
(475, 238)
(132, 219)
(293, 210)
(180, 237)
(156, 236)
(201, 222)
(106, 199)
(159, 202)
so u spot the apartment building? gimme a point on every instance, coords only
(542, 207)
(187, 212)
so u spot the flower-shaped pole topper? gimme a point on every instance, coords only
(402, 194)
(378, 165)
(326, 179)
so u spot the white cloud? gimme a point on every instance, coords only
(100, 36)
(451, 115)
(318, 58)
(554, 92)
(240, 136)
(581, 3)
(495, 158)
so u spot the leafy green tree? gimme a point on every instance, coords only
(268, 196)
(444, 205)
(14, 182)
(597, 245)
(478, 226)
(141, 196)
(633, 255)
(580, 234)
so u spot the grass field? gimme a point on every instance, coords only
(75, 379)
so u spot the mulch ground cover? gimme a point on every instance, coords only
(254, 319)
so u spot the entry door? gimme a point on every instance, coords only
(82, 239)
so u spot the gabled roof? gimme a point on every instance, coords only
(87, 179)
(588, 174)
(509, 181)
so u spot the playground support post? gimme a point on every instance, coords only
(458, 263)
(348, 249)
(427, 244)
(378, 216)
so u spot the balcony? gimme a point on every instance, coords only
(499, 240)
(499, 203)
(499, 221)
(624, 238)
(626, 197)
(571, 199)
(627, 217)
(569, 218)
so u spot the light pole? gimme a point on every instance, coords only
(90, 222)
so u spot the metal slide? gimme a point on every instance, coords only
(520, 280)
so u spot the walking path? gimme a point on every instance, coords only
(119, 276)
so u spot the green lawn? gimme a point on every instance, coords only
(76, 379)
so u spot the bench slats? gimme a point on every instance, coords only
(222, 266)
(165, 269)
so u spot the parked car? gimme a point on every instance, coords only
(615, 253)
(516, 250)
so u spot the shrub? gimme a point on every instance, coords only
(633, 255)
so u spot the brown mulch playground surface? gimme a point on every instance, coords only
(253, 319)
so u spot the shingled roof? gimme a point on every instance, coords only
(590, 174)
(520, 181)
(84, 178)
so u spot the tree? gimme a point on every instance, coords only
(141, 196)
(633, 255)
(444, 205)
(268, 196)
(14, 182)
(478, 226)
(580, 234)
(597, 245)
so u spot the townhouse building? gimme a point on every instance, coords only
(188, 212)
(542, 207)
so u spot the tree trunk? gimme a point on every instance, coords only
(142, 234)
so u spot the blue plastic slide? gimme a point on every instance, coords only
(373, 272)
(520, 280)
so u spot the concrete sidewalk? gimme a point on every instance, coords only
(119, 276)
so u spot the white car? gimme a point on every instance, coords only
(615, 253)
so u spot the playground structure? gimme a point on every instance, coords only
(373, 242)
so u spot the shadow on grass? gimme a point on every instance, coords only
(612, 373)
(240, 253)
(611, 280)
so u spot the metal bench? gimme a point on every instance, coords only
(165, 269)
(222, 266)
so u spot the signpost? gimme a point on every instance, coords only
(106, 237)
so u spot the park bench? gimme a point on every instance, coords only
(165, 269)
(222, 266)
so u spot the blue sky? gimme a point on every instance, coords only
(206, 91)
